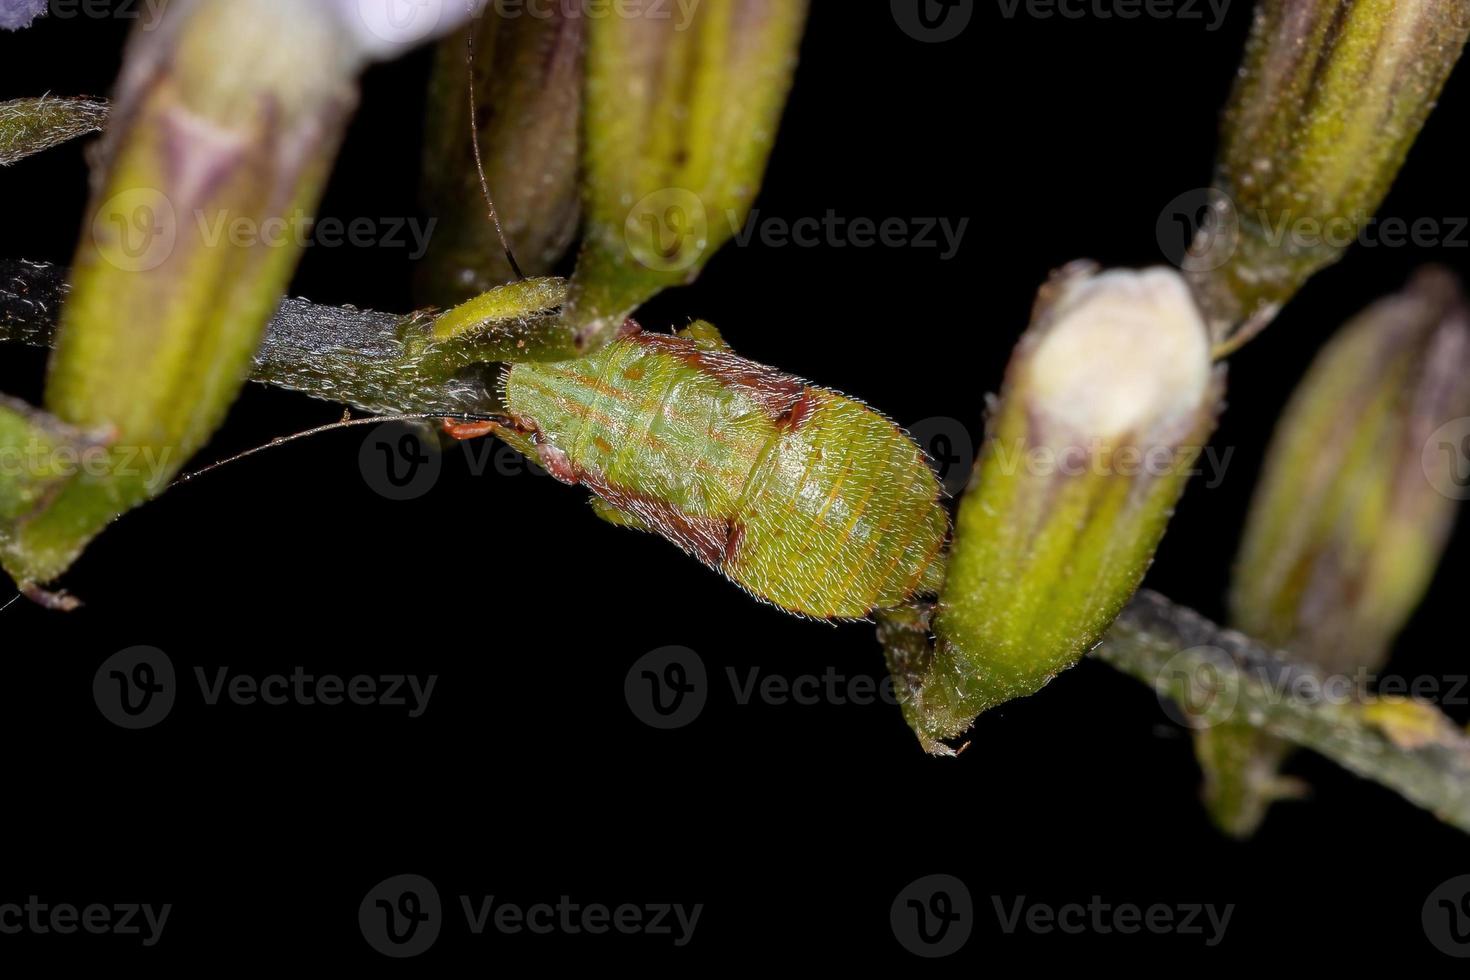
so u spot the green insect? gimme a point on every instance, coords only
(802, 496)
(805, 498)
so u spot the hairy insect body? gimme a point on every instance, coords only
(804, 497)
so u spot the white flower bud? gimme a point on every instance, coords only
(384, 29)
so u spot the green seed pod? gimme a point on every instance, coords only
(682, 110)
(527, 78)
(1373, 438)
(804, 497)
(1331, 95)
(226, 112)
(1107, 401)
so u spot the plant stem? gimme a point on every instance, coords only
(1186, 657)
(376, 362)
(28, 126)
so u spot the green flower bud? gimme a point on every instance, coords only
(1106, 404)
(37, 454)
(682, 110)
(227, 113)
(1331, 95)
(528, 91)
(1334, 582)
(1352, 513)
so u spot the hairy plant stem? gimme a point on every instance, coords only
(1189, 659)
(29, 126)
(379, 363)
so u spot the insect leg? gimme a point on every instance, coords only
(704, 334)
(513, 436)
(618, 517)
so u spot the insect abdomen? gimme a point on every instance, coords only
(804, 497)
(843, 517)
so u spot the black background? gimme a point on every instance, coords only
(528, 777)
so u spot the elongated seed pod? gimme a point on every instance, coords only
(527, 75)
(804, 497)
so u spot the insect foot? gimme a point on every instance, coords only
(1106, 404)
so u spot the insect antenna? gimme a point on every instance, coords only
(16, 598)
(343, 423)
(469, 45)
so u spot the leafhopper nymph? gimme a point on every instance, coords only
(802, 496)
